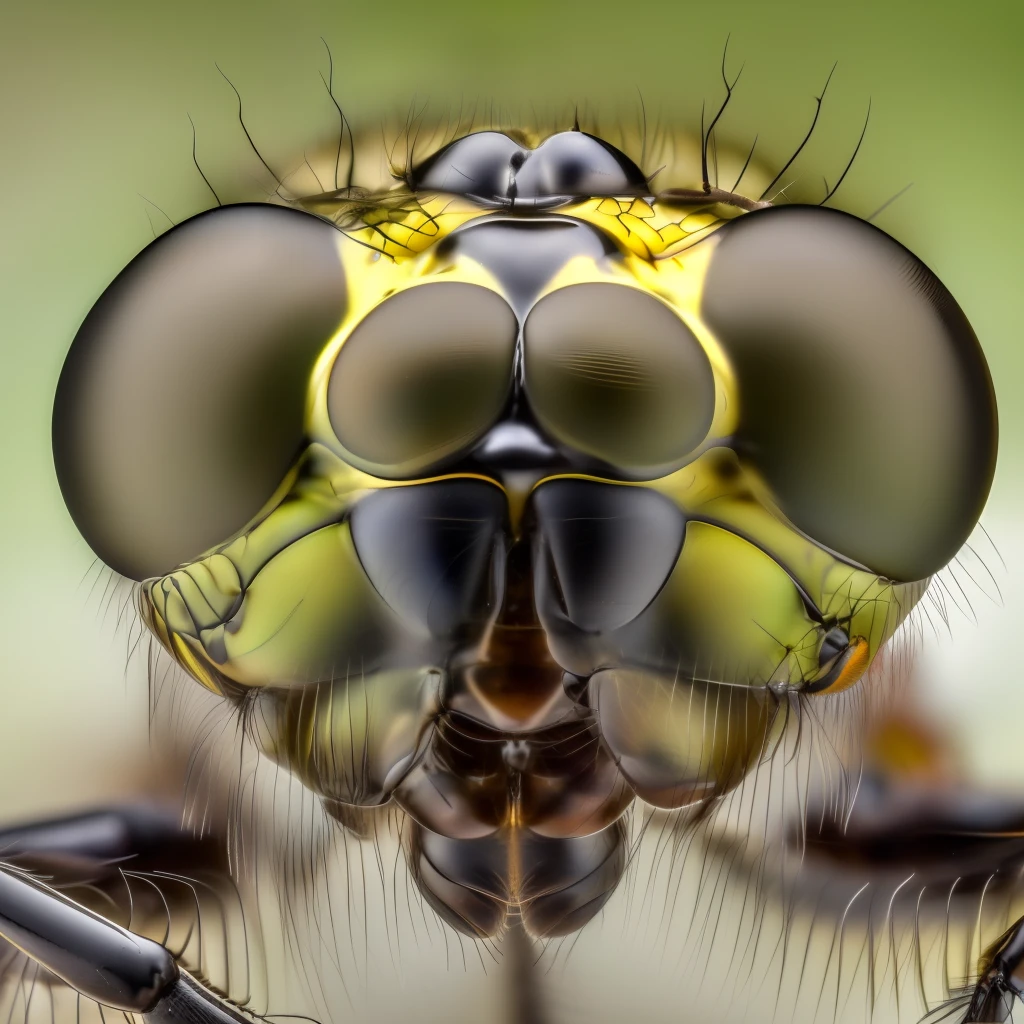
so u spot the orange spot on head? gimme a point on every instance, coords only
(855, 663)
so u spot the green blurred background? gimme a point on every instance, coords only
(93, 116)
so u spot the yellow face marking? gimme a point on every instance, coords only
(652, 230)
(403, 232)
(715, 485)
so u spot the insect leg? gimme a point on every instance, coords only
(99, 841)
(1002, 980)
(103, 961)
(188, 1002)
(95, 957)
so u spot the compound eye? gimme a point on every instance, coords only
(422, 377)
(613, 372)
(578, 164)
(180, 405)
(865, 398)
(478, 165)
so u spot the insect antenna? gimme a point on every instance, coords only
(252, 144)
(643, 129)
(195, 159)
(807, 138)
(892, 199)
(746, 164)
(163, 213)
(829, 193)
(342, 122)
(706, 135)
(305, 158)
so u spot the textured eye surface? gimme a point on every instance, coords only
(614, 373)
(865, 398)
(422, 377)
(180, 405)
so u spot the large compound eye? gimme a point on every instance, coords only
(864, 395)
(422, 377)
(180, 406)
(613, 372)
